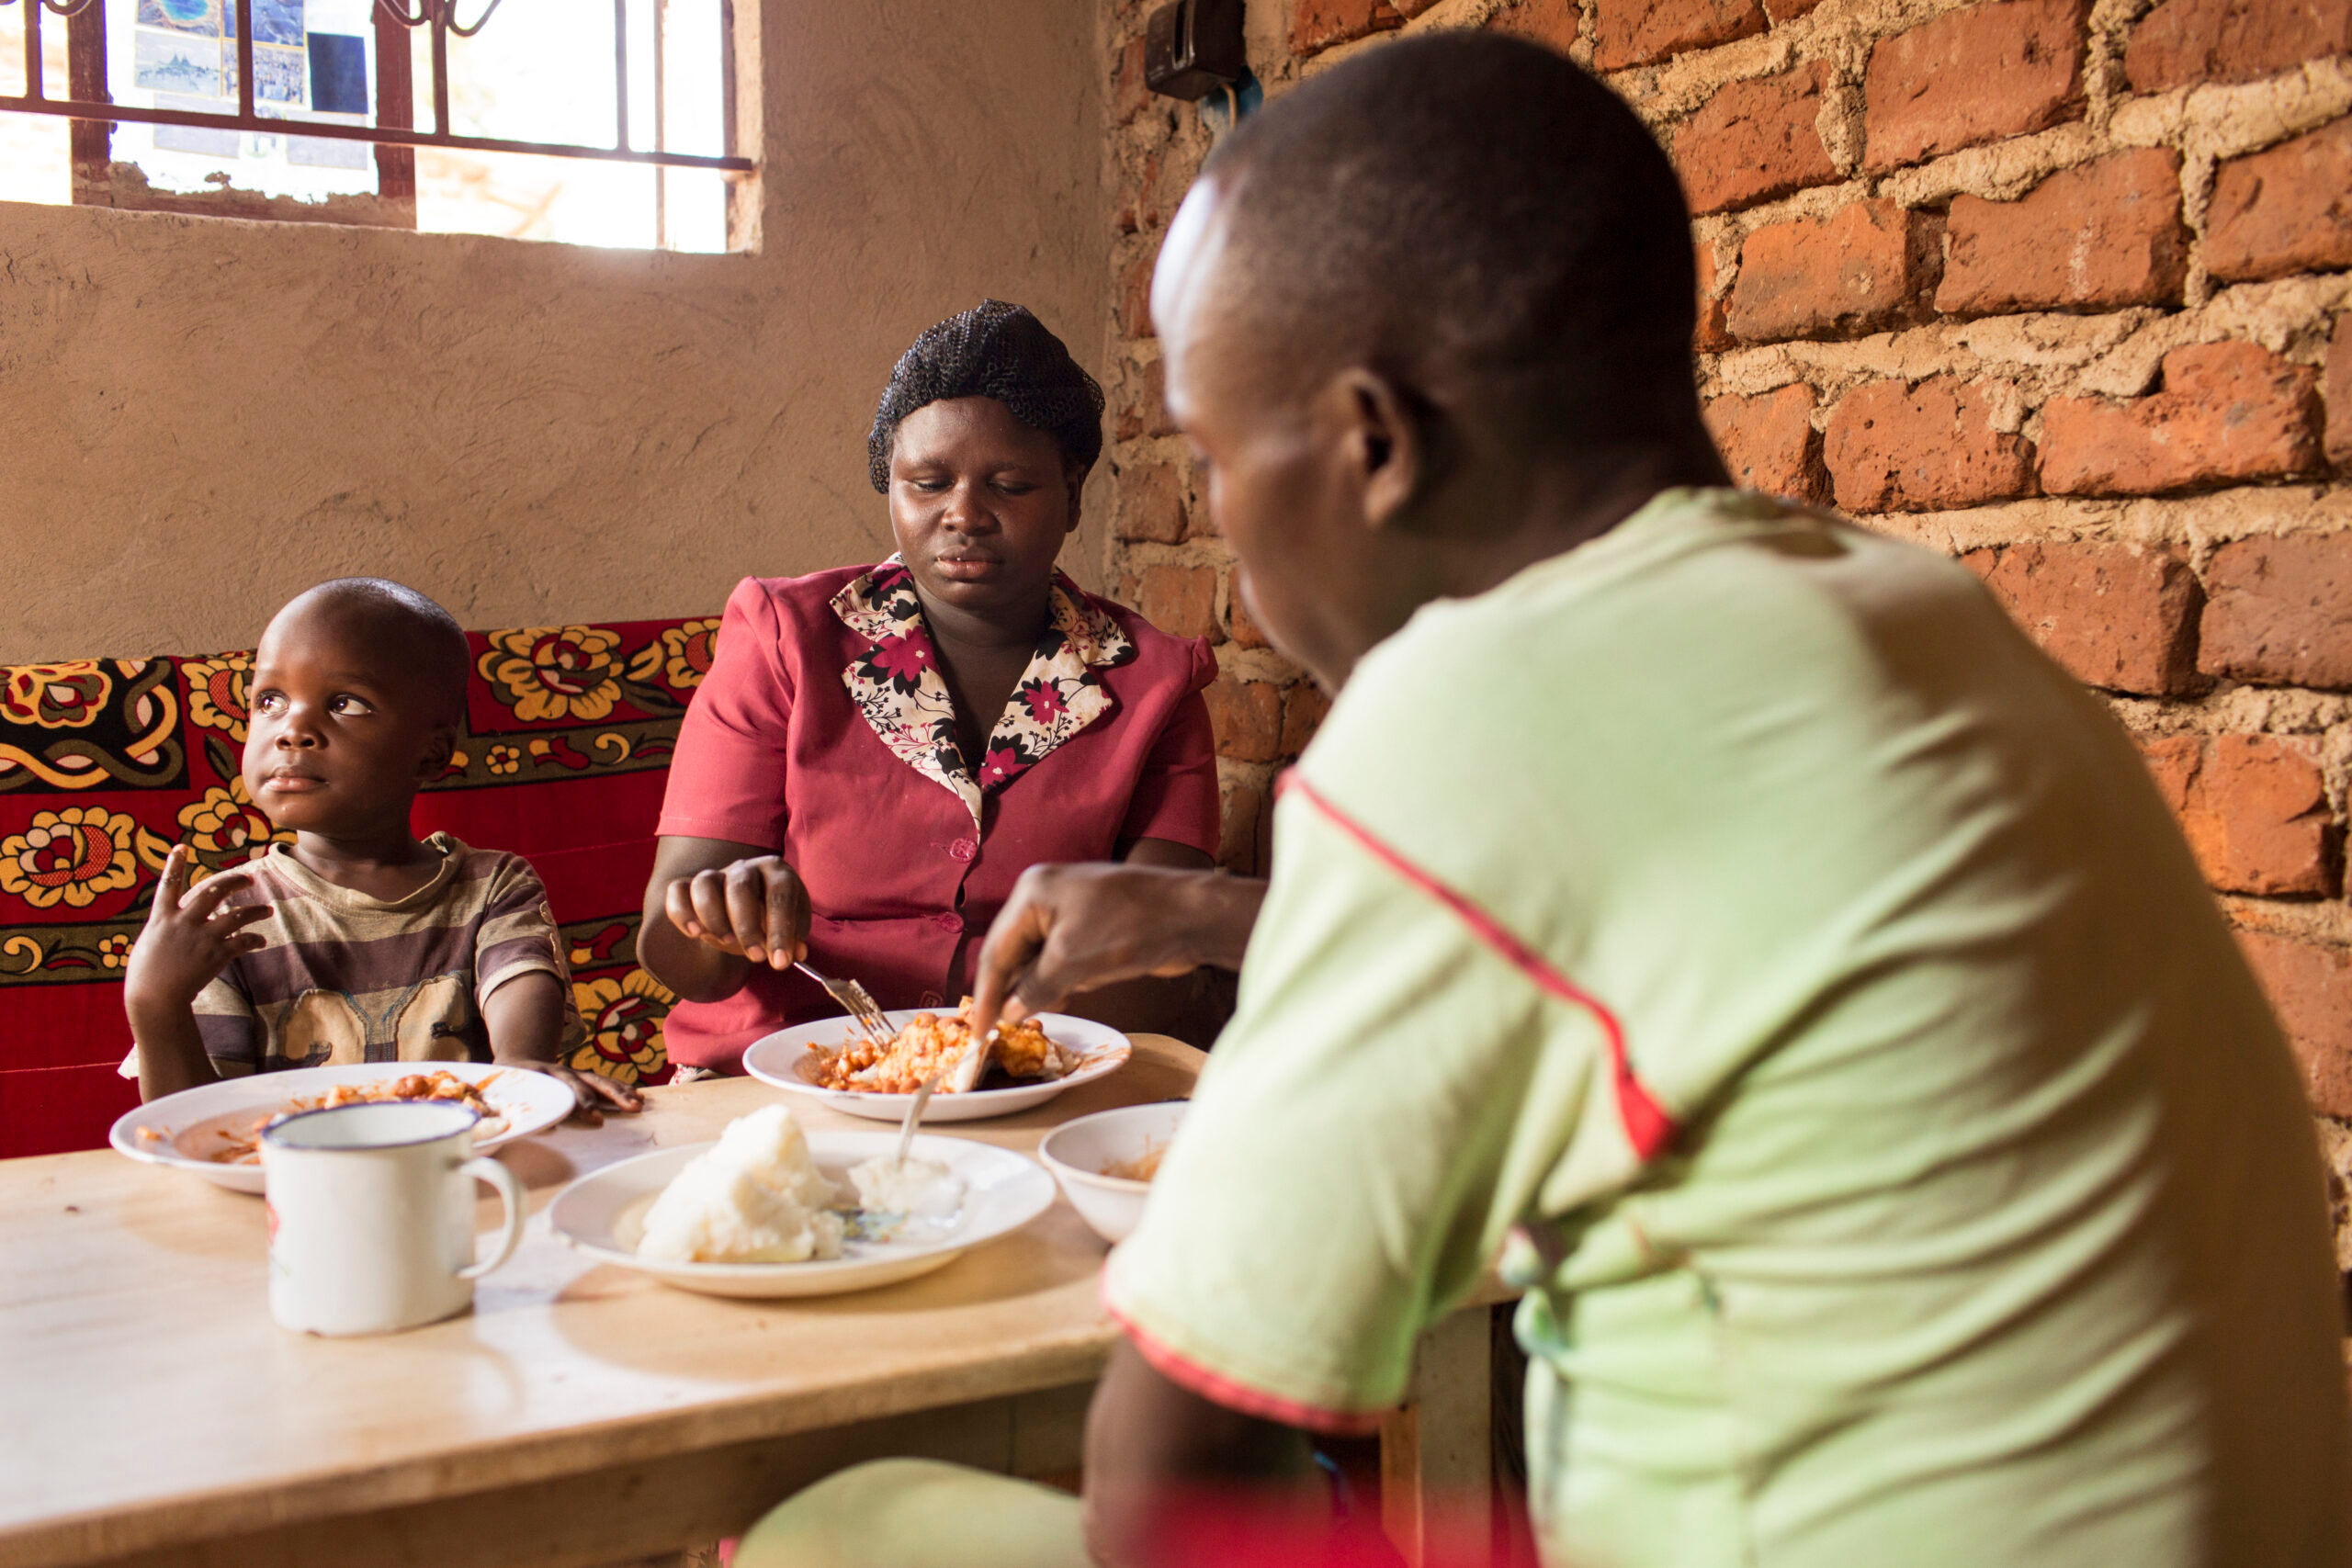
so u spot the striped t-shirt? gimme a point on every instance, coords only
(348, 978)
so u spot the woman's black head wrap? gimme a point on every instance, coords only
(997, 350)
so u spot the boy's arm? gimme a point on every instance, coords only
(189, 939)
(525, 1016)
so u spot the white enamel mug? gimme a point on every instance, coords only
(371, 1215)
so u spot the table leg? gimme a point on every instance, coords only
(1436, 1453)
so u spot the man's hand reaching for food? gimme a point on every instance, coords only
(1075, 927)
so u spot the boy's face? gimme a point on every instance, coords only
(1285, 486)
(341, 733)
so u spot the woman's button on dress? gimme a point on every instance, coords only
(963, 850)
(948, 921)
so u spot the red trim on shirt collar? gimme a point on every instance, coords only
(1218, 1389)
(1647, 1126)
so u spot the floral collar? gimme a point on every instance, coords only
(897, 685)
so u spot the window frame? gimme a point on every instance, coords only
(90, 106)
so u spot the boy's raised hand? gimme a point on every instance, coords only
(190, 937)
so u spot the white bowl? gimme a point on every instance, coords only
(1079, 1152)
(602, 1214)
(787, 1057)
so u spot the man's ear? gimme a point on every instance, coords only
(1386, 437)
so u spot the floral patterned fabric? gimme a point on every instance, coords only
(895, 684)
(105, 764)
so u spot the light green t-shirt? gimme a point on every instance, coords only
(1738, 914)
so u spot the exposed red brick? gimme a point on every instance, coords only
(2259, 820)
(1244, 631)
(2173, 761)
(1754, 140)
(1789, 10)
(1151, 504)
(1129, 95)
(1636, 33)
(1247, 718)
(1317, 25)
(1852, 272)
(2228, 412)
(1143, 403)
(1304, 707)
(1768, 440)
(1552, 23)
(1134, 293)
(1974, 76)
(2288, 209)
(2280, 611)
(1167, 179)
(1244, 809)
(1891, 448)
(2115, 616)
(1179, 599)
(1411, 8)
(1713, 336)
(2183, 43)
(2309, 989)
(2105, 234)
(2339, 393)
(2255, 809)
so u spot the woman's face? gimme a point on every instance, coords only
(980, 504)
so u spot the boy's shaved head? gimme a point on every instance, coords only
(405, 630)
(1472, 216)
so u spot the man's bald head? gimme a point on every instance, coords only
(415, 642)
(1472, 217)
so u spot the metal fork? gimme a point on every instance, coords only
(862, 1009)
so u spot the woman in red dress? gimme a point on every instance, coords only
(880, 751)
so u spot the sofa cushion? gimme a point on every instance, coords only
(106, 764)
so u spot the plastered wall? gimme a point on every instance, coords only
(200, 416)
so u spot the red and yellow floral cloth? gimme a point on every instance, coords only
(106, 764)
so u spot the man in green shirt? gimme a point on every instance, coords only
(1717, 913)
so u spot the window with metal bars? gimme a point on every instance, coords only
(561, 120)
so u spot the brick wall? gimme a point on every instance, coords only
(2063, 288)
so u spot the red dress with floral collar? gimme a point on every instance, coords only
(824, 730)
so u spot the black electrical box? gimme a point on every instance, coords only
(1194, 46)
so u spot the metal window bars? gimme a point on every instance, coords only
(90, 104)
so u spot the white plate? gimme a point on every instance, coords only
(784, 1057)
(602, 1214)
(192, 1120)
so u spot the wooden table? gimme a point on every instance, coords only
(151, 1413)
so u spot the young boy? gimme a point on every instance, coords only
(1726, 900)
(383, 948)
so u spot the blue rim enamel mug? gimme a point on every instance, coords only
(371, 1215)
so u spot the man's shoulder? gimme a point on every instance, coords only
(1718, 589)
